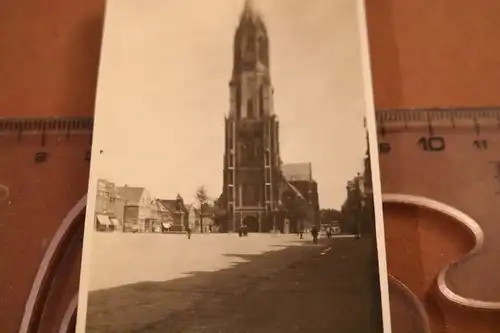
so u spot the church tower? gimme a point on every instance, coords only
(251, 159)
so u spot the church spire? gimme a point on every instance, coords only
(251, 44)
(250, 17)
(250, 83)
(250, 12)
(249, 7)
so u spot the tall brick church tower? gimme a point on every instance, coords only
(252, 159)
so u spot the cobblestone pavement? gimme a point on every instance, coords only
(329, 287)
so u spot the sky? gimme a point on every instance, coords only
(163, 92)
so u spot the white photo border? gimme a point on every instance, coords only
(375, 171)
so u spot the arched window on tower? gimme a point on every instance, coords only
(261, 101)
(238, 103)
(242, 156)
(250, 43)
(250, 153)
(250, 109)
(249, 195)
(263, 54)
(258, 152)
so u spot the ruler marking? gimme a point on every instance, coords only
(413, 115)
(452, 121)
(429, 123)
(441, 120)
(52, 124)
(477, 128)
(387, 130)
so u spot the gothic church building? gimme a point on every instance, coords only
(256, 192)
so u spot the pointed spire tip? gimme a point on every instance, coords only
(249, 7)
(249, 4)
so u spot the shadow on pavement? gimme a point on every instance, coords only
(306, 241)
(293, 289)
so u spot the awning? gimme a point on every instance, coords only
(103, 219)
(114, 222)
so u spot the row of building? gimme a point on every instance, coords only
(358, 215)
(134, 209)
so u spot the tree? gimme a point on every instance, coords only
(353, 206)
(202, 200)
(330, 216)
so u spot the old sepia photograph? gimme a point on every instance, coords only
(231, 184)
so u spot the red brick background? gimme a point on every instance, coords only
(425, 53)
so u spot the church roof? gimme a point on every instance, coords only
(295, 190)
(297, 171)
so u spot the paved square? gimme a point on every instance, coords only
(226, 284)
(124, 258)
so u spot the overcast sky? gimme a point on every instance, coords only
(163, 92)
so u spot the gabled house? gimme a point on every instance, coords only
(140, 212)
(109, 207)
(166, 217)
(178, 211)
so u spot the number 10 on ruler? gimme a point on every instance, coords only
(433, 143)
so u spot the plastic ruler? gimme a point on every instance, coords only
(447, 160)
(43, 179)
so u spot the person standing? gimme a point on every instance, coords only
(189, 232)
(314, 233)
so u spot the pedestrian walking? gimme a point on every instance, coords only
(314, 233)
(189, 232)
(301, 231)
(329, 232)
